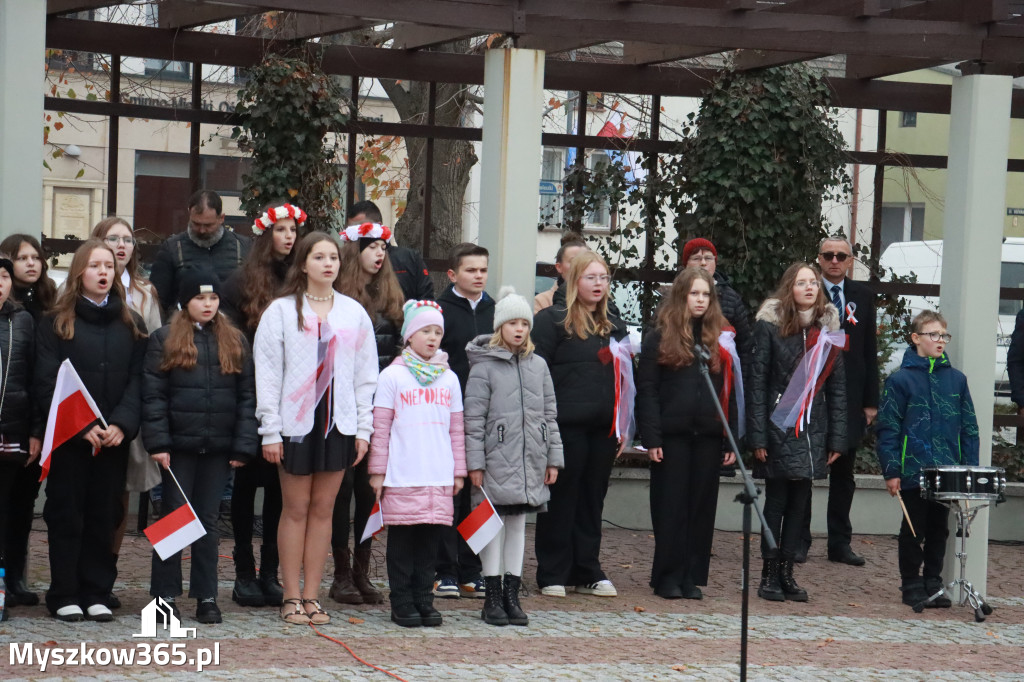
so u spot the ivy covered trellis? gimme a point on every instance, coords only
(288, 109)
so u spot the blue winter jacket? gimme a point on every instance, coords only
(926, 418)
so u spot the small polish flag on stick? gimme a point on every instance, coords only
(482, 524)
(71, 411)
(177, 530)
(374, 524)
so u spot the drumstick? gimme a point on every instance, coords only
(905, 514)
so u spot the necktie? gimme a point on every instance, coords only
(836, 299)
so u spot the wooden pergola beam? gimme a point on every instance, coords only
(843, 8)
(408, 36)
(749, 60)
(186, 14)
(554, 45)
(58, 7)
(301, 26)
(640, 54)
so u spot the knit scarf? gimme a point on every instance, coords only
(425, 372)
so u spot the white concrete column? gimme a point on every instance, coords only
(979, 139)
(510, 161)
(22, 51)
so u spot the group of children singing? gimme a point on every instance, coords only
(308, 364)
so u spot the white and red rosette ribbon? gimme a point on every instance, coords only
(275, 213)
(354, 233)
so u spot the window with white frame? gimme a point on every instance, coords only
(552, 174)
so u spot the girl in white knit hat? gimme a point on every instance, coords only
(513, 448)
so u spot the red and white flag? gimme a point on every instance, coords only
(481, 525)
(71, 411)
(176, 531)
(374, 524)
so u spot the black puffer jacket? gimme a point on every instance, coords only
(388, 340)
(17, 355)
(581, 369)
(106, 356)
(179, 253)
(199, 410)
(736, 312)
(676, 400)
(775, 360)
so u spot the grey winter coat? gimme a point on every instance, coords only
(511, 428)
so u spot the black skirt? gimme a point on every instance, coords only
(315, 453)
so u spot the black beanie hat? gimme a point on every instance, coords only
(7, 265)
(195, 282)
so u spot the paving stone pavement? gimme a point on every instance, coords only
(854, 628)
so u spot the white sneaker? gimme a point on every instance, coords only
(553, 591)
(99, 613)
(602, 588)
(69, 614)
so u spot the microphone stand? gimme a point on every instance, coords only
(748, 498)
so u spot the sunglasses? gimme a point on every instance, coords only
(838, 255)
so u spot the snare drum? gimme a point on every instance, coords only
(963, 482)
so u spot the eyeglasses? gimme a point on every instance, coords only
(813, 283)
(937, 336)
(837, 255)
(115, 240)
(594, 279)
(706, 258)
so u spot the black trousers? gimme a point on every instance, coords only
(684, 498)
(785, 504)
(257, 474)
(928, 549)
(19, 486)
(568, 536)
(202, 477)
(454, 557)
(841, 487)
(411, 560)
(83, 509)
(356, 482)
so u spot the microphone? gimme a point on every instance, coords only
(701, 351)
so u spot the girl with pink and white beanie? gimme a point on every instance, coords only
(417, 460)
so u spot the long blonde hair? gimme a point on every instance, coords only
(578, 320)
(136, 282)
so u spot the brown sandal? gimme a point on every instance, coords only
(318, 616)
(292, 613)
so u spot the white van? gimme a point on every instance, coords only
(924, 258)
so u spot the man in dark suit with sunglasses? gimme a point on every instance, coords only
(856, 304)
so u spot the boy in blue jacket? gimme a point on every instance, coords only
(926, 419)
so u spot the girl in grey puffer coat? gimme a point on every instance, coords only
(513, 448)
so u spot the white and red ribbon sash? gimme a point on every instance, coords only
(794, 406)
(322, 379)
(624, 424)
(727, 340)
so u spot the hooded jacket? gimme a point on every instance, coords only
(775, 360)
(511, 423)
(199, 410)
(409, 506)
(926, 419)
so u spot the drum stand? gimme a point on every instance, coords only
(968, 595)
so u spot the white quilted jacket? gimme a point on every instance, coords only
(286, 368)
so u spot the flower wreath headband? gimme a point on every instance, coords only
(278, 213)
(354, 233)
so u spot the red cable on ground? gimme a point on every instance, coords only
(371, 665)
